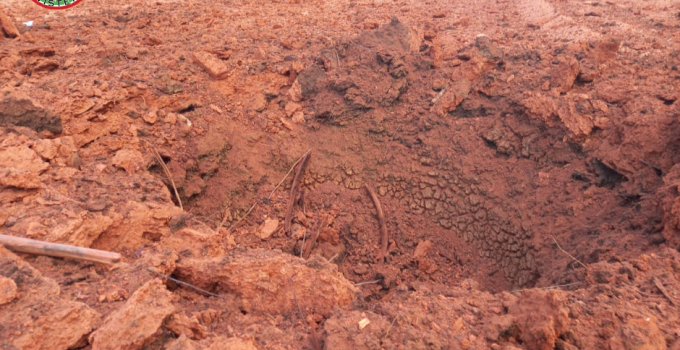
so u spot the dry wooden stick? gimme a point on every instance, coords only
(167, 173)
(663, 290)
(565, 252)
(312, 239)
(381, 220)
(26, 245)
(294, 190)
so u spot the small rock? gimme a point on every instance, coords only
(216, 109)
(129, 160)
(563, 77)
(295, 91)
(8, 290)
(232, 343)
(361, 270)
(181, 324)
(297, 231)
(422, 249)
(545, 86)
(96, 205)
(292, 107)
(371, 25)
(298, 66)
(298, 117)
(439, 84)
(587, 72)
(606, 49)
(363, 323)
(268, 228)
(151, 117)
(170, 118)
(213, 65)
(259, 102)
(181, 343)
(194, 186)
(487, 48)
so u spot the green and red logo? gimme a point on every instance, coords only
(57, 4)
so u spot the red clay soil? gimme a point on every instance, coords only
(523, 153)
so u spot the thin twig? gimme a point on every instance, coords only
(390, 327)
(302, 248)
(333, 257)
(337, 59)
(550, 287)
(315, 235)
(184, 283)
(315, 337)
(440, 94)
(565, 252)
(302, 317)
(241, 219)
(369, 282)
(403, 335)
(381, 220)
(224, 219)
(167, 173)
(288, 173)
(294, 190)
(663, 290)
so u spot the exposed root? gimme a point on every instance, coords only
(312, 239)
(383, 226)
(316, 342)
(288, 173)
(167, 173)
(304, 162)
(224, 219)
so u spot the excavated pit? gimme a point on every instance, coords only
(476, 179)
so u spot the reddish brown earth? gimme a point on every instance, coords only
(524, 154)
